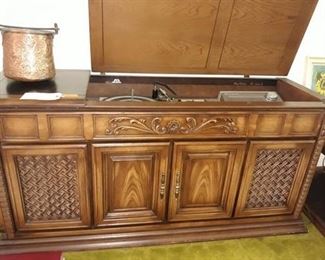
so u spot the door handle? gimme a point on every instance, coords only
(178, 184)
(162, 185)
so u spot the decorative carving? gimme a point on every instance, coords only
(4, 206)
(309, 176)
(175, 126)
(49, 186)
(310, 171)
(273, 177)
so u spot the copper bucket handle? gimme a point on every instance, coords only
(7, 28)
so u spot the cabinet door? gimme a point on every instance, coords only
(204, 180)
(272, 178)
(48, 186)
(130, 183)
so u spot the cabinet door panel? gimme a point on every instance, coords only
(49, 186)
(130, 183)
(204, 180)
(133, 180)
(273, 177)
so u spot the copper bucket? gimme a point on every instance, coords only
(28, 52)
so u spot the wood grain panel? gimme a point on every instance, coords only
(204, 180)
(270, 124)
(287, 124)
(65, 126)
(48, 186)
(273, 177)
(204, 174)
(20, 127)
(306, 124)
(130, 183)
(167, 36)
(219, 36)
(96, 34)
(259, 34)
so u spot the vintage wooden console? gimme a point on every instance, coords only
(83, 173)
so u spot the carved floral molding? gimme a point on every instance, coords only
(189, 125)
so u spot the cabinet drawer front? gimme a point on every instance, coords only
(26, 127)
(18, 127)
(65, 126)
(305, 124)
(204, 181)
(169, 125)
(287, 124)
(50, 185)
(272, 178)
(130, 183)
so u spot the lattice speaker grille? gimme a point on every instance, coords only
(273, 177)
(50, 186)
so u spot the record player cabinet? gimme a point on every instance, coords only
(85, 174)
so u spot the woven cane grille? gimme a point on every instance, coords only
(49, 186)
(272, 177)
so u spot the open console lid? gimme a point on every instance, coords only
(253, 37)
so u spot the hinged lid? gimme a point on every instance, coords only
(254, 37)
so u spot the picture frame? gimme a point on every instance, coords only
(315, 74)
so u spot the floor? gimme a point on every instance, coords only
(310, 246)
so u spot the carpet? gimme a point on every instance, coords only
(310, 246)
